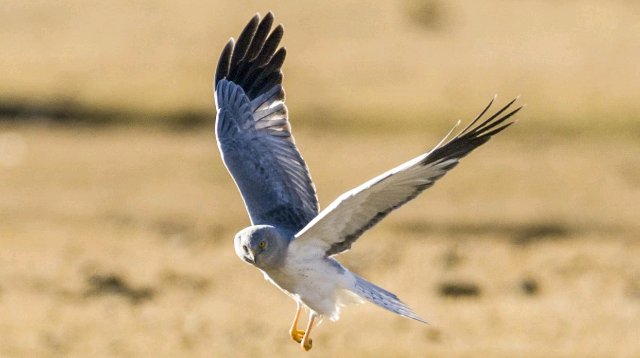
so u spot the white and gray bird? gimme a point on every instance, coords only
(290, 240)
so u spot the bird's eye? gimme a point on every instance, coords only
(245, 248)
(263, 244)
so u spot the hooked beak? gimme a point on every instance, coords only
(252, 258)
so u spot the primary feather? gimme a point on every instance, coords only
(253, 130)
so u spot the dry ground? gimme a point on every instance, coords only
(573, 61)
(119, 243)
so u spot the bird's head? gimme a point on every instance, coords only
(262, 246)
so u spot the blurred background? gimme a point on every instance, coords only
(117, 215)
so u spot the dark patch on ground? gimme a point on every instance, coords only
(429, 15)
(433, 334)
(62, 111)
(458, 289)
(70, 112)
(526, 234)
(529, 286)
(101, 285)
(189, 120)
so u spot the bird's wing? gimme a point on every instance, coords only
(340, 224)
(253, 131)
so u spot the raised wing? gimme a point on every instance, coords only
(253, 131)
(340, 224)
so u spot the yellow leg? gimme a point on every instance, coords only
(295, 333)
(306, 341)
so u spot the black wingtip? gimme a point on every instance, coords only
(499, 129)
(259, 38)
(243, 43)
(222, 70)
(479, 115)
(491, 127)
(490, 123)
(270, 46)
(473, 135)
(254, 61)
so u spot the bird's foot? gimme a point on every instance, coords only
(307, 345)
(297, 335)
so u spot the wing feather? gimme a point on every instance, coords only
(253, 130)
(339, 225)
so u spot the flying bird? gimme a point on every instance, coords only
(290, 240)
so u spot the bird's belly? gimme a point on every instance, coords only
(311, 284)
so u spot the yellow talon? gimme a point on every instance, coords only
(306, 346)
(307, 343)
(297, 335)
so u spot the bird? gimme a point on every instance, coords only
(290, 240)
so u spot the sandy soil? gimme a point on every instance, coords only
(573, 61)
(119, 243)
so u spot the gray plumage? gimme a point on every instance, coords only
(253, 130)
(290, 241)
(384, 299)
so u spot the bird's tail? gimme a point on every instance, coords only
(383, 298)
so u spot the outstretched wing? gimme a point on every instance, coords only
(253, 131)
(340, 224)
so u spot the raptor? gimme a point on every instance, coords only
(290, 240)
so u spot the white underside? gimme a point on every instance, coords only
(323, 286)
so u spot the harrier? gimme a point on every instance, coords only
(290, 240)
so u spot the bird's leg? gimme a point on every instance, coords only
(296, 334)
(306, 341)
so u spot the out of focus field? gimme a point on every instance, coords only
(117, 214)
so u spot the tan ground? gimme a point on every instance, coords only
(119, 243)
(573, 61)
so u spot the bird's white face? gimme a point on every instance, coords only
(260, 246)
(247, 249)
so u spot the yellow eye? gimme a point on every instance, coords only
(263, 244)
(245, 248)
